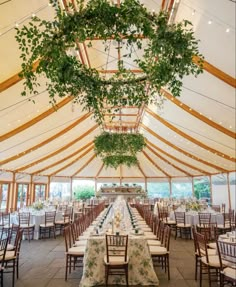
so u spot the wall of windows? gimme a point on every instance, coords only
(181, 188)
(60, 191)
(202, 188)
(232, 186)
(83, 189)
(40, 191)
(4, 193)
(158, 189)
(22, 194)
(220, 190)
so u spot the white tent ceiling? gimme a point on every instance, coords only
(189, 136)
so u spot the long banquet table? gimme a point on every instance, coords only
(141, 270)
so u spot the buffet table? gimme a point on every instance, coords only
(128, 192)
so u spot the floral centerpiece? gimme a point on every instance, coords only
(38, 205)
(117, 219)
(193, 205)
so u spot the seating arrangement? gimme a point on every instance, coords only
(116, 259)
(3, 248)
(209, 263)
(227, 258)
(61, 224)
(226, 226)
(48, 226)
(73, 253)
(182, 228)
(12, 258)
(10, 243)
(24, 223)
(162, 252)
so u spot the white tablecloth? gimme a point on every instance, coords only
(193, 218)
(35, 218)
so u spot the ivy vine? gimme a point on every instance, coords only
(166, 59)
(119, 148)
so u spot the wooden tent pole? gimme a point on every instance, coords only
(229, 195)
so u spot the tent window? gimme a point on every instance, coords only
(158, 189)
(202, 188)
(22, 193)
(4, 193)
(40, 191)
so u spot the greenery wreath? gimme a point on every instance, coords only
(119, 148)
(166, 59)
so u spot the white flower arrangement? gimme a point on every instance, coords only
(38, 205)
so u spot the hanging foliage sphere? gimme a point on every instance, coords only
(119, 148)
(167, 55)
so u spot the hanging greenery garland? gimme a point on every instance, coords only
(166, 59)
(119, 148)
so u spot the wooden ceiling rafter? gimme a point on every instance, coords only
(216, 72)
(64, 159)
(99, 171)
(84, 165)
(218, 168)
(168, 162)
(141, 170)
(72, 162)
(66, 8)
(155, 164)
(60, 149)
(62, 132)
(119, 115)
(15, 79)
(36, 119)
(188, 137)
(176, 159)
(197, 114)
(135, 71)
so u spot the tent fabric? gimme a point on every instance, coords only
(190, 136)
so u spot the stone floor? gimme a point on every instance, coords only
(42, 265)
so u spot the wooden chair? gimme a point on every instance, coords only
(209, 264)
(226, 226)
(3, 248)
(204, 221)
(163, 213)
(227, 255)
(5, 219)
(162, 252)
(181, 227)
(223, 207)
(49, 225)
(116, 259)
(216, 208)
(13, 237)
(61, 224)
(210, 251)
(211, 233)
(24, 223)
(11, 262)
(74, 254)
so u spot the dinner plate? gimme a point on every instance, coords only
(137, 234)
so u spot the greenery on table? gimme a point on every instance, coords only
(166, 59)
(119, 148)
(83, 192)
(38, 205)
